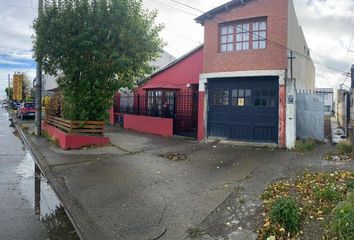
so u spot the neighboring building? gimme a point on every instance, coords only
(50, 83)
(243, 85)
(245, 90)
(328, 96)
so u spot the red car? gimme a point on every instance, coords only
(26, 110)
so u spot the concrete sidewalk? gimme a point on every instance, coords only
(128, 191)
(337, 132)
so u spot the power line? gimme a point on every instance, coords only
(13, 5)
(266, 39)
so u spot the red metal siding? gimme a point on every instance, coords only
(184, 72)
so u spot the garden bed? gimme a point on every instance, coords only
(312, 206)
(79, 127)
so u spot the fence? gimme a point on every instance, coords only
(309, 115)
(181, 106)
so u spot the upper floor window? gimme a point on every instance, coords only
(227, 38)
(243, 35)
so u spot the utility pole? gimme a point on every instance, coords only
(8, 89)
(38, 117)
(291, 63)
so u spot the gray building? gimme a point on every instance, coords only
(328, 96)
(50, 83)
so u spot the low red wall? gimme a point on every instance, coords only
(72, 141)
(152, 125)
(201, 134)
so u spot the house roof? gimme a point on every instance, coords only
(177, 60)
(163, 85)
(225, 7)
(324, 90)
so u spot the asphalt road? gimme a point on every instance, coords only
(17, 214)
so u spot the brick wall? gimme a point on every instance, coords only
(271, 58)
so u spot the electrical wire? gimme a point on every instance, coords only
(266, 39)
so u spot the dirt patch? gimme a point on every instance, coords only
(175, 156)
(315, 194)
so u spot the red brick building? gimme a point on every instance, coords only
(242, 75)
(245, 93)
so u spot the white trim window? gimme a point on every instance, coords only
(242, 36)
(245, 35)
(259, 33)
(227, 38)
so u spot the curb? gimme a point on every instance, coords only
(47, 172)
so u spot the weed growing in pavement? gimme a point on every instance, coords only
(306, 145)
(328, 193)
(342, 224)
(345, 148)
(285, 212)
(59, 226)
(195, 233)
(344, 153)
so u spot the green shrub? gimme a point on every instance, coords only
(328, 193)
(306, 145)
(350, 184)
(342, 225)
(344, 148)
(285, 212)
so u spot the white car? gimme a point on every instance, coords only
(4, 105)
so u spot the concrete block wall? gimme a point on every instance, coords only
(309, 116)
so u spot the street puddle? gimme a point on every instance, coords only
(46, 205)
(36, 189)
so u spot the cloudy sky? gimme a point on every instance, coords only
(328, 26)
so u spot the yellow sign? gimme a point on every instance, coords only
(241, 102)
(18, 87)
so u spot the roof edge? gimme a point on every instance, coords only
(225, 7)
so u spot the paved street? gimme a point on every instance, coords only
(17, 214)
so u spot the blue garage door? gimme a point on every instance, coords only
(244, 108)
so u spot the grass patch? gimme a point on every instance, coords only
(344, 153)
(345, 148)
(47, 136)
(285, 213)
(59, 226)
(342, 224)
(306, 145)
(292, 207)
(195, 233)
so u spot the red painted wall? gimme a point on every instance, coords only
(72, 141)
(152, 125)
(184, 72)
(270, 58)
(282, 116)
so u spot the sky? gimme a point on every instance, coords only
(328, 26)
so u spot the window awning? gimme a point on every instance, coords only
(163, 85)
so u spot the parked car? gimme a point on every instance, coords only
(26, 110)
(4, 105)
(16, 105)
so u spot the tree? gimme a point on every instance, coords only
(7, 92)
(99, 46)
